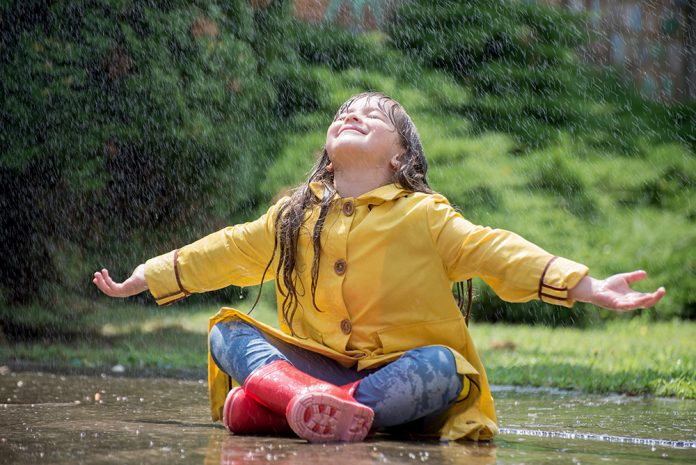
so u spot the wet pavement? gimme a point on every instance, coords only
(49, 418)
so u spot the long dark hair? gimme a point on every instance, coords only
(410, 175)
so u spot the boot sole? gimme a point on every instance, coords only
(321, 417)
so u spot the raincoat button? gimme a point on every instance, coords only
(340, 266)
(348, 208)
(346, 327)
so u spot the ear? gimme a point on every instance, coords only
(329, 167)
(395, 161)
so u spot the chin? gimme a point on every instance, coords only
(347, 149)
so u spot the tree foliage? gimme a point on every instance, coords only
(132, 126)
(523, 64)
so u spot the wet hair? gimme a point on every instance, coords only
(410, 175)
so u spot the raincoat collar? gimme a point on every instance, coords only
(374, 197)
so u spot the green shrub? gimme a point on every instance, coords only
(520, 61)
(554, 177)
(332, 46)
(133, 127)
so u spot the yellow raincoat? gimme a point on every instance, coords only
(388, 261)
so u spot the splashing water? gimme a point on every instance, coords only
(599, 437)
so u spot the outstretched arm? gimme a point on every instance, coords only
(135, 284)
(615, 293)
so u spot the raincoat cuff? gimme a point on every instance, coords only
(162, 276)
(559, 276)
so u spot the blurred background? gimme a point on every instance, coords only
(130, 128)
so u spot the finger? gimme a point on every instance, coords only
(634, 276)
(101, 284)
(110, 282)
(98, 279)
(647, 300)
(650, 300)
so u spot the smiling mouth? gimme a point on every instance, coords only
(350, 129)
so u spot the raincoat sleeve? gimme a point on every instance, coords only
(236, 255)
(516, 269)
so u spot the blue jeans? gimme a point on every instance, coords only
(410, 394)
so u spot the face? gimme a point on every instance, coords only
(363, 136)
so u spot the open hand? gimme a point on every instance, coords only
(615, 293)
(135, 284)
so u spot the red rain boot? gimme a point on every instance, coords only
(243, 415)
(316, 410)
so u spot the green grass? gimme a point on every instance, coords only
(137, 337)
(625, 356)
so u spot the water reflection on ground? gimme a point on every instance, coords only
(48, 418)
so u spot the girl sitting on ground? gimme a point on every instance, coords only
(364, 256)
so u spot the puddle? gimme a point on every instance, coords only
(48, 418)
(615, 418)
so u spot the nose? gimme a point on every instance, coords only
(352, 115)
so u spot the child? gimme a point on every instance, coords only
(364, 255)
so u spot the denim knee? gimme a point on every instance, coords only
(220, 335)
(238, 348)
(440, 360)
(422, 382)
